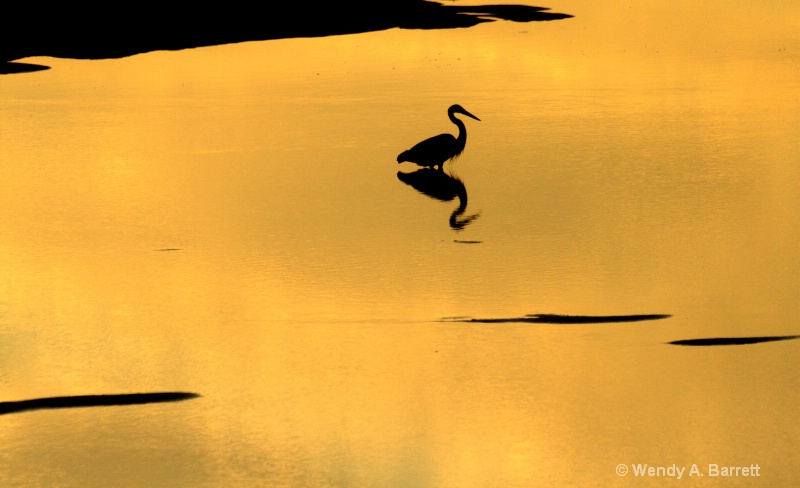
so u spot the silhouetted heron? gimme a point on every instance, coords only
(439, 149)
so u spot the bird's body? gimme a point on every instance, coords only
(439, 149)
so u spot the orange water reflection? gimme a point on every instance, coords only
(632, 160)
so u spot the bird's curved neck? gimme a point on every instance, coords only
(462, 129)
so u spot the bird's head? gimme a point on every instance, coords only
(458, 109)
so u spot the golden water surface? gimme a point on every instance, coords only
(229, 221)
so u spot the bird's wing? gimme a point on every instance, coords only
(439, 147)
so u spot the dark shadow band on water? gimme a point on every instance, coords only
(10, 68)
(94, 401)
(731, 341)
(85, 31)
(560, 319)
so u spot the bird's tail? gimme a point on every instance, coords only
(403, 157)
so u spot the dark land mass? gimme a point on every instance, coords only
(11, 67)
(562, 319)
(731, 341)
(99, 31)
(94, 401)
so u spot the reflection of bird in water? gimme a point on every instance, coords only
(438, 149)
(441, 186)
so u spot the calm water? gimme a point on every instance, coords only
(229, 221)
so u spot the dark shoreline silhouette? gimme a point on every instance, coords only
(560, 319)
(731, 341)
(66, 30)
(15, 67)
(94, 401)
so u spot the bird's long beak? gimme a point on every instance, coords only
(470, 115)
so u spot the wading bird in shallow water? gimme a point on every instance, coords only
(439, 149)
